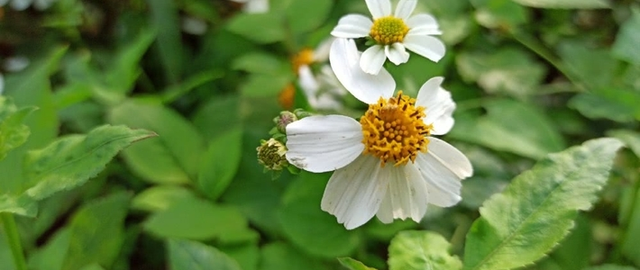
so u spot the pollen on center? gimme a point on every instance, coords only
(388, 30)
(394, 131)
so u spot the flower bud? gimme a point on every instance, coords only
(271, 154)
(285, 118)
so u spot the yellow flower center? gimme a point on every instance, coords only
(303, 57)
(388, 30)
(393, 130)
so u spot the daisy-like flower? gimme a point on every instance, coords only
(387, 164)
(254, 6)
(392, 33)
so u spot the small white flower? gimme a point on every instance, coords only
(392, 33)
(254, 6)
(387, 164)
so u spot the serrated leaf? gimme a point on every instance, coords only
(96, 232)
(220, 163)
(352, 264)
(185, 254)
(174, 157)
(414, 250)
(72, 160)
(13, 132)
(565, 4)
(194, 218)
(537, 210)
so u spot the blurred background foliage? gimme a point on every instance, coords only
(530, 77)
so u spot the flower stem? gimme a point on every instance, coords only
(13, 238)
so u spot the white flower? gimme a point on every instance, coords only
(393, 34)
(387, 164)
(254, 6)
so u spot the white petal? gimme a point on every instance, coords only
(406, 196)
(321, 53)
(423, 24)
(405, 8)
(345, 62)
(372, 59)
(442, 167)
(427, 46)
(256, 6)
(307, 81)
(396, 53)
(355, 192)
(379, 8)
(352, 26)
(438, 104)
(323, 143)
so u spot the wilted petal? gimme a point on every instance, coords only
(323, 143)
(345, 62)
(355, 192)
(352, 26)
(438, 104)
(427, 46)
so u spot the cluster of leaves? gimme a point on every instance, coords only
(530, 77)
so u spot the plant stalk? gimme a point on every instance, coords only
(13, 239)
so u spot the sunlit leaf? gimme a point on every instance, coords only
(173, 157)
(96, 232)
(413, 250)
(537, 210)
(72, 160)
(185, 254)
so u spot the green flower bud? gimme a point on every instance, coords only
(285, 118)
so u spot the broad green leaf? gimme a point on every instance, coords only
(629, 217)
(165, 19)
(281, 256)
(500, 14)
(13, 132)
(195, 218)
(628, 39)
(611, 267)
(413, 250)
(620, 105)
(260, 62)
(304, 16)
(176, 91)
(185, 254)
(260, 85)
(261, 28)
(594, 68)
(507, 71)
(160, 197)
(123, 72)
(173, 157)
(537, 210)
(574, 252)
(220, 163)
(511, 126)
(72, 160)
(31, 87)
(218, 114)
(352, 264)
(308, 227)
(96, 232)
(247, 254)
(565, 4)
(51, 256)
(18, 204)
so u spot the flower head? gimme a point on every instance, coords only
(387, 164)
(392, 34)
(271, 154)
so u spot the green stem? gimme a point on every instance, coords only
(13, 238)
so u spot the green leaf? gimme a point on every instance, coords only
(565, 4)
(220, 163)
(123, 71)
(510, 71)
(500, 13)
(620, 105)
(72, 160)
(261, 28)
(627, 39)
(260, 62)
(352, 264)
(173, 157)
(308, 227)
(247, 254)
(165, 19)
(217, 115)
(158, 198)
(594, 67)
(303, 16)
(413, 250)
(13, 132)
(194, 218)
(280, 256)
(51, 256)
(96, 232)
(185, 254)
(521, 128)
(574, 252)
(261, 85)
(536, 211)
(611, 267)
